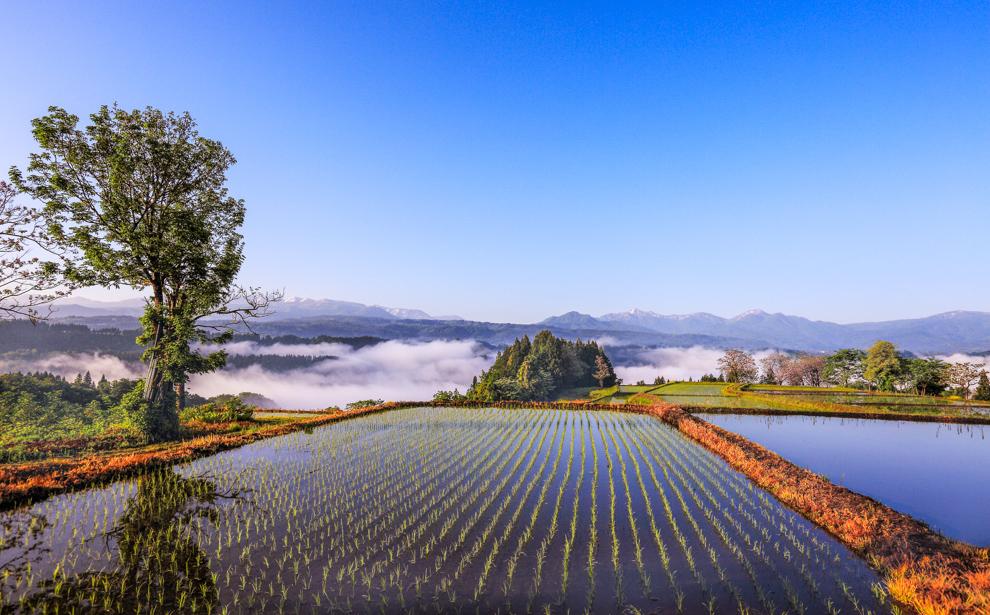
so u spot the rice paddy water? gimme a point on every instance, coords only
(936, 472)
(436, 510)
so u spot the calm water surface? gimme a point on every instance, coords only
(936, 472)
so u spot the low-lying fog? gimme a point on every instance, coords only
(393, 370)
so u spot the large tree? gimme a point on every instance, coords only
(142, 198)
(882, 365)
(927, 375)
(982, 387)
(29, 268)
(738, 366)
(963, 375)
(844, 367)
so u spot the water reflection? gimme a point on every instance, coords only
(159, 566)
(936, 472)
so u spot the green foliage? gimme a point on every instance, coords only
(982, 388)
(844, 367)
(141, 198)
(156, 420)
(41, 407)
(447, 397)
(538, 370)
(221, 409)
(882, 366)
(364, 403)
(926, 376)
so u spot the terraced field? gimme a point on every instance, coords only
(708, 395)
(436, 510)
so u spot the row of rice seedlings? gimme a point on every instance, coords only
(685, 483)
(448, 580)
(527, 478)
(702, 482)
(616, 556)
(554, 522)
(419, 549)
(571, 535)
(633, 526)
(527, 533)
(490, 474)
(820, 562)
(592, 527)
(535, 479)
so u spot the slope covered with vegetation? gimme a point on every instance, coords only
(537, 370)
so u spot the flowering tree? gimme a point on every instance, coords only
(738, 366)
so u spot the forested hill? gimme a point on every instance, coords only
(21, 335)
(538, 370)
(17, 335)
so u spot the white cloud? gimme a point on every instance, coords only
(391, 370)
(249, 348)
(676, 363)
(966, 358)
(68, 365)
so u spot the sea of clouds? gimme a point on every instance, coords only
(392, 370)
(675, 364)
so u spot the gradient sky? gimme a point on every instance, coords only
(506, 162)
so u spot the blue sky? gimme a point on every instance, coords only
(511, 161)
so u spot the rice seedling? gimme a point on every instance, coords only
(434, 509)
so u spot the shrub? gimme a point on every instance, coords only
(448, 396)
(365, 403)
(227, 410)
(156, 422)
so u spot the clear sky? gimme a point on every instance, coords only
(511, 161)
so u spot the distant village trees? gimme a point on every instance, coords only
(738, 366)
(881, 368)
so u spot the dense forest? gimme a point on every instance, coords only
(20, 335)
(541, 368)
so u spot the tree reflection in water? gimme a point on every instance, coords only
(160, 568)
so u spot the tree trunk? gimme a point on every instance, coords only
(180, 396)
(153, 381)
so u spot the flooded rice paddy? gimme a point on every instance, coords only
(435, 510)
(936, 472)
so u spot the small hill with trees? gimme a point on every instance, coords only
(537, 370)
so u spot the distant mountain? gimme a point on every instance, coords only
(577, 320)
(951, 332)
(72, 307)
(939, 334)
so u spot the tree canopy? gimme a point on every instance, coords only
(539, 369)
(141, 199)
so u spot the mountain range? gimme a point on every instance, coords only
(946, 333)
(949, 332)
(293, 307)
